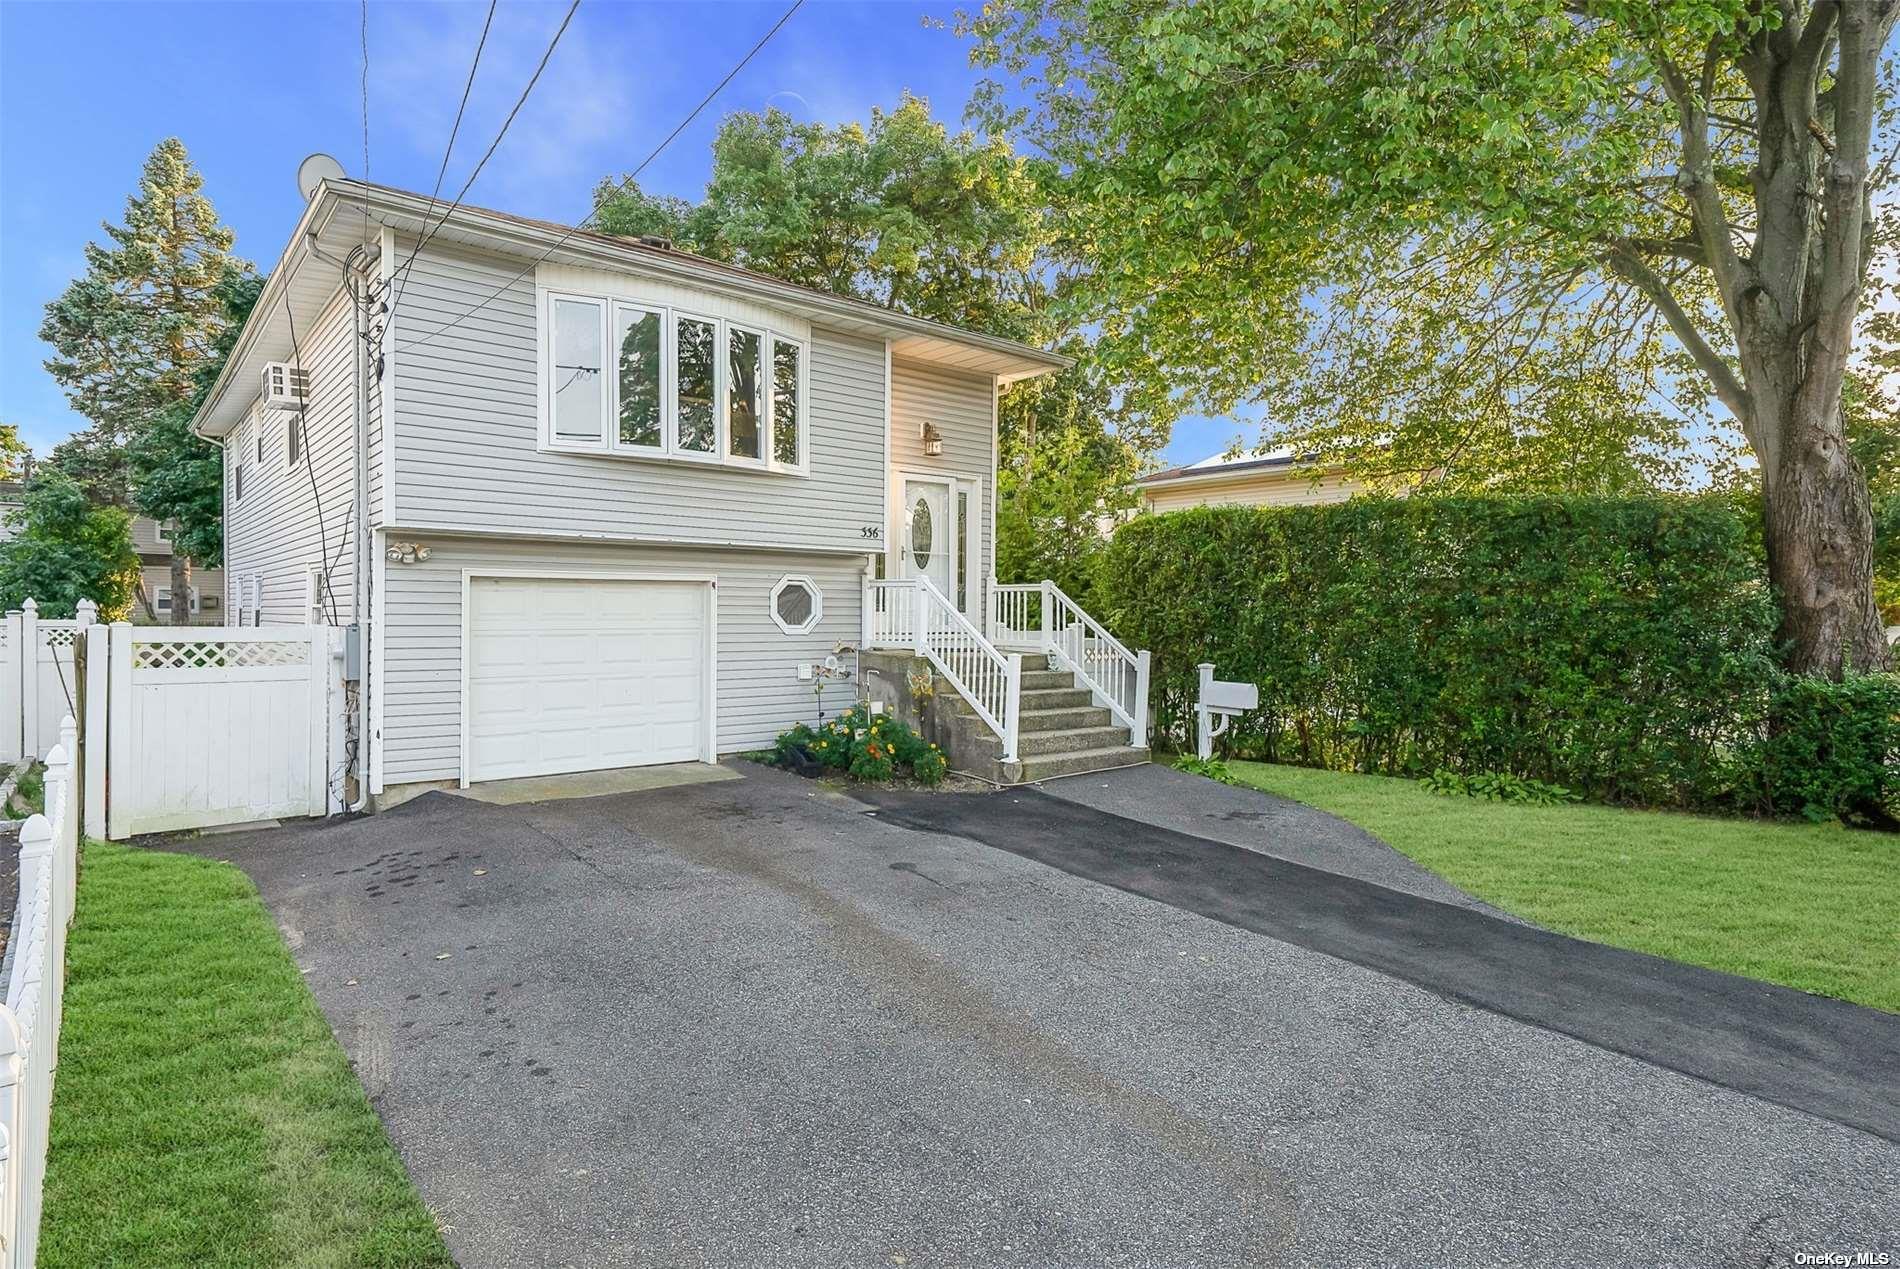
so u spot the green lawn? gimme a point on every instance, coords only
(1815, 906)
(203, 1114)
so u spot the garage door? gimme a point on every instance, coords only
(579, 675)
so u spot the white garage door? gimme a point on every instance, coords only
(579, 675)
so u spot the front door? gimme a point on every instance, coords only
(928, 535)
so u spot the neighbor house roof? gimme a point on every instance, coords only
(345, 215)
(1220, 467)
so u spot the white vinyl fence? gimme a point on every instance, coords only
(216, 725)
(37, 682)
(30, 1016)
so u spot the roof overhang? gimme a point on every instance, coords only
(343, 215)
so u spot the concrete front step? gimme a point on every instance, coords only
(1048, 698)
(1070, 740)
(1068, 719)
(1049, 766)
(1043, 680)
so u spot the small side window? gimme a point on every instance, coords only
(293, 440)
(797, 604)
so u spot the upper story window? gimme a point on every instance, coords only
(655, 382)
(162, 530)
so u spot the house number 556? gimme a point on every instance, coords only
(870, 531)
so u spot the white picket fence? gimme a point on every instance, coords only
(29, 1019)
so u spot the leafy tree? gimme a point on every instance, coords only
(66, 548)
(176, 476)
(14, 452)
(131, 338)
(942, 225)
(1474, 236)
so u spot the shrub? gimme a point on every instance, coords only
(863, 746)
(1828, 749)
(1496, 786)
(1621, 648)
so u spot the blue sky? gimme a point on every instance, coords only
(86, 90)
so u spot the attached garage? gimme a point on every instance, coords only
(583, 673)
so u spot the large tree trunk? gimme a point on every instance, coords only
(1819, 531)
(181, 589)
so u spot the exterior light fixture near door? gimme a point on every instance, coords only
(933, 441)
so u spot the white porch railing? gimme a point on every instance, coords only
(914, 614)
(1039, 616)
(29, 1020)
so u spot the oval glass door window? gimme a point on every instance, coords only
(920, 533)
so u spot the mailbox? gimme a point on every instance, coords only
(1220, 700)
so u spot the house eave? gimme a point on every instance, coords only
(914, 338)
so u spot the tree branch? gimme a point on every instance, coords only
(1728, 388)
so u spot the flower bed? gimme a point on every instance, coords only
(863, 746)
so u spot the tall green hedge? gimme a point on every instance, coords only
(1621, 648)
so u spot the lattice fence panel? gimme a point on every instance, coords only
(217, 654)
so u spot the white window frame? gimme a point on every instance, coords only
(817, 604)
(670, 403)
(161, 532)
(608, 442)
(762, 406)
(315, 611)
(162, 600)
(611, 373)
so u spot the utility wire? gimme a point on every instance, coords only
(454, 130)
(625, 183)
(520, 101)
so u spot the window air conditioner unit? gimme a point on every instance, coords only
(286, 387)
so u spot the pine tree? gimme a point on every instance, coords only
(133, 334)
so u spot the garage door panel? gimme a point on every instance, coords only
(575, 675)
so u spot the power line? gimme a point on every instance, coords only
(625, 182)
(454, 130)
(363, 39)
(520, 101)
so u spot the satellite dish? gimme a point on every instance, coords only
(314, 170)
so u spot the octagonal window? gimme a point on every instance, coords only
(797, 605)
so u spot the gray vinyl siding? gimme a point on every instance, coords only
(962, 406)
(275, 530)
(759, 694)
(466, 435)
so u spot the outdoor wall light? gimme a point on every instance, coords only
(406, 553)
(933, 441)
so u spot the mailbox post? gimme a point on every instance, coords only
(1219, 700)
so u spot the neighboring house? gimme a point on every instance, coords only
(152, 542)
(1275, 479)
(611, 503)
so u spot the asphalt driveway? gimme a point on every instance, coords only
(749, 1023)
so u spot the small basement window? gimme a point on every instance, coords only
(797, 605)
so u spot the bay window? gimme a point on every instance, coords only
(677, 386)
(580, 390)
(641, 378)
(743, 391)
(786, 448)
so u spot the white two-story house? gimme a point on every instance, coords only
(589, 502)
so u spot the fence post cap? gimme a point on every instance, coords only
(36, 835)
(31, 605)
(57, 756)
